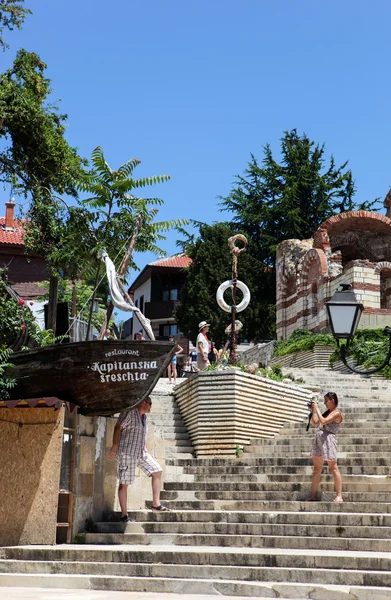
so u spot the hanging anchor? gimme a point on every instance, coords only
(234, 284)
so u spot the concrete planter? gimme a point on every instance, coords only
(225, 409)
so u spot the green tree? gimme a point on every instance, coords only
(273, 201)
(122, 222)
(16, 319)
(38, 163)
(211, 265)
(276, 201)
(37, 160)
(12, 14)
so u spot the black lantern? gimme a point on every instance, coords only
(344, 315)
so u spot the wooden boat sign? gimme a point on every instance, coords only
(101, 377)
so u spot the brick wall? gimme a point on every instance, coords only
(310, 271)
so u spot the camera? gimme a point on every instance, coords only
(310, 404)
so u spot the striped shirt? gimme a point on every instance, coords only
(133, 434)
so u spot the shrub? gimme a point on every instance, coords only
(369, 349)
(301, 339)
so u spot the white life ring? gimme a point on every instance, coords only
(228, 284)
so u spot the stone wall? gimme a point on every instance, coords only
(261, 354)
(30, 450)
(350, 248)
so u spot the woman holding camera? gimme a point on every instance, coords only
(324, 446)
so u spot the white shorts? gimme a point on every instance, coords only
(127, 467)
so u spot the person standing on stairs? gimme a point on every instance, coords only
(324, 446)
(129, 445)
(171, 369)
(202, 345)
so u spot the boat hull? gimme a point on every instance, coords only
(101, 377)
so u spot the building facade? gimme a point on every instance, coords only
(24, 271)
(156, 293)
(352, 247)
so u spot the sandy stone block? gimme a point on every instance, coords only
(87, 454)
(319, 594)
(150, 439)
(370, 594)
(146, 489)
(110, 424)
(159, 449)
(135, 500)
(111, 468)
(82, 511)
(86, 482)
(86, 425)
(110, 493)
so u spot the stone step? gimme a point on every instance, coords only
(265, 476)
(170, 453)
(362, 425)
(301, 447)
(298, 494)
(290, 504)
(164, 585)
(179, 442)
(229, 473)
(178, 449)
(171, 554)
(343, 438)
(370, 412)
(250, 541)
(252, 460)
(223, 516)
(163, 420)
(195, 572)
(371, 485)
(169, 436)
(245, 529)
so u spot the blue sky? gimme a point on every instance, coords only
(192, 88)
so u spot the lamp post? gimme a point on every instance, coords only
(344, 312)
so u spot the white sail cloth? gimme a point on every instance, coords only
(118, 299)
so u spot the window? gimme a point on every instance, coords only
(142, 304)
(170, 294)
(167, 330)
(385, 289)
(136, 303)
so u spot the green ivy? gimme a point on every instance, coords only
(301, 339)
(6, 383)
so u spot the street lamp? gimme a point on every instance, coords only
(344, 314)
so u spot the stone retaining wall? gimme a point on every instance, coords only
(261, 354)
(306, 359)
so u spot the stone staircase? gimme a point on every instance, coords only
(169, 425)
(240, 527)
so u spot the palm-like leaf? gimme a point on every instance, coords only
(127, 168)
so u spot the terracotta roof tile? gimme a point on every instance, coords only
(11, 236)
(29, 290)
(180, 261)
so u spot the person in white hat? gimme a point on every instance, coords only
(202, 346)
